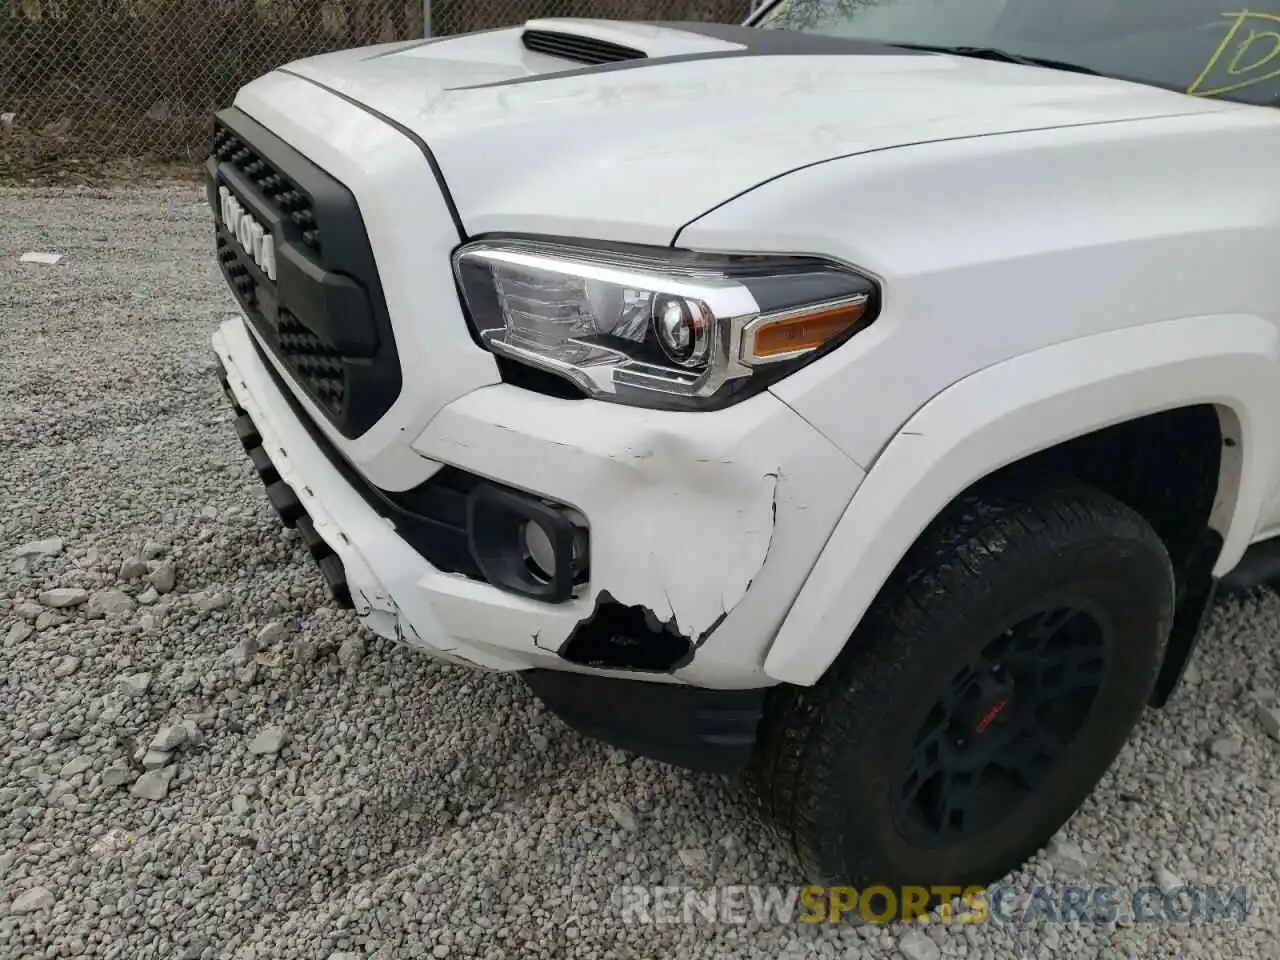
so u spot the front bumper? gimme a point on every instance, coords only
(707, 522)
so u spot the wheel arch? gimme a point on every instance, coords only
(1011, 412)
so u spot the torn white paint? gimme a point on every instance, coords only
(684, 509)
(48, 259)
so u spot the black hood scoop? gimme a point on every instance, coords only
(578, 48)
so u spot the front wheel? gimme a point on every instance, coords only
(984, 695)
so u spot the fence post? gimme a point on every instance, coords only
(426, 19)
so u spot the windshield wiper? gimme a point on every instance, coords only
(1003, 56)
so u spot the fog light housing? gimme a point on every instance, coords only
(526, 545)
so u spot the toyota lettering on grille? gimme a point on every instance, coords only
(255, 239)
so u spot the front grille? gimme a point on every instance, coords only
(321, 310)
(237, 273)
(570, 46)
(319, 367)
(285, 196)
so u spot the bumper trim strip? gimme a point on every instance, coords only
(286, 503)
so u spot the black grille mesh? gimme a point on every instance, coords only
(291, 202)
(320, 367)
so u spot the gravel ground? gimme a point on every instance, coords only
(203, 759)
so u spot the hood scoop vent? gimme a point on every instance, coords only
(579, 48)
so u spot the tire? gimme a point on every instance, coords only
(864, 773)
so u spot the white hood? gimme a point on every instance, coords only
(528, 141)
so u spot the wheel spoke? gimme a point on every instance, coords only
(926, 761)
(1066, 672)
(1033, 751)
(1051, 622)
(959, 687)
(1082, 668)
(955, 803)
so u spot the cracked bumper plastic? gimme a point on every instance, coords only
(709, 520)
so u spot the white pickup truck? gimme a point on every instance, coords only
(870, 397)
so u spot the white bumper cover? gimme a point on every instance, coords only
(710, 520)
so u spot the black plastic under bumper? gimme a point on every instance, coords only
(708, 730)
(286, 503)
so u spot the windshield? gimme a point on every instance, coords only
(1207, 48)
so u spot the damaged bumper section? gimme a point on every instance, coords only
(668, 546)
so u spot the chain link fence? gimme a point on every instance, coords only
(85, 83)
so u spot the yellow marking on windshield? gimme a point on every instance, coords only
(1255, 65)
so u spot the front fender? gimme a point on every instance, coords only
(1021, 406)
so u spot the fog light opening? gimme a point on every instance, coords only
(527, 544)
(539, 553)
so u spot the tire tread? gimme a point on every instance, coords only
(796, 767)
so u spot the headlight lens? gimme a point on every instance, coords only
(654, 326)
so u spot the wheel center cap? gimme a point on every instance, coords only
(989, 703)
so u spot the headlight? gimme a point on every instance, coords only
(658, 327)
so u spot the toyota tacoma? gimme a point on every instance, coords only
(869, 397)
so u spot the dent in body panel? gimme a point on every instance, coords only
(681, 522)
(711, 553)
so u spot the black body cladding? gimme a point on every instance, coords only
(324, 316)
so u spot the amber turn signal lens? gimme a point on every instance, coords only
(797, 334)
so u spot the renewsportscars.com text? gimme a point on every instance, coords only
(881, 904)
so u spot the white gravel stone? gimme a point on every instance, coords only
(60, 598)
(37, 898)
(305, 649)
(186, 682)
(268, 741)
(622, 814)
(215, 600)
(1067, 857)
(134, 685)
(916, 946)
(27, 609)
(271, 634)
(244, 651)
(49, 619)
(1224, 748)
(350, 653)
(1269, 717)
(110, 603)
(169, 738)
(18, 632)
(155, 759)
(49, 547)
(154, 784)
(66, 666)
(164, 577)
(133, 568)
(75, 766)
(1167, 880)
(118, 774)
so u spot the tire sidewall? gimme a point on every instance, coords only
(1124, 579)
